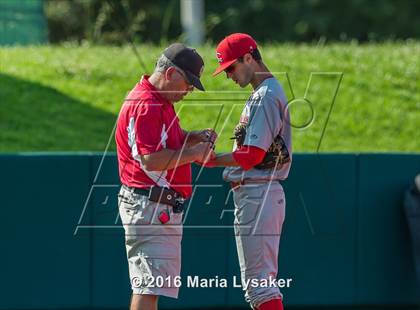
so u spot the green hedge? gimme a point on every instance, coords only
(115, 21)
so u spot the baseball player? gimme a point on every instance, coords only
(260, 160)
(154, 156)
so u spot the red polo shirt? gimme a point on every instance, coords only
(147, 123)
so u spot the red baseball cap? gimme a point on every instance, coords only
(231, 48)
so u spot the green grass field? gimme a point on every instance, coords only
(67, 98)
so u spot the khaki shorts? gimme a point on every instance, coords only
(153, 248)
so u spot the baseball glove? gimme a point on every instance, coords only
(239, 134)
(277, 154)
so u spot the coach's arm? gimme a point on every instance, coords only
(168, 159)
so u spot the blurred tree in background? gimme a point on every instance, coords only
(308, 20)
(114, 21)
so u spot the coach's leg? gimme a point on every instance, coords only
(153, 250)
(144, 302)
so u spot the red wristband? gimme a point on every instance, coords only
(248, 156)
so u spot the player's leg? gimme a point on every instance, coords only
(274, 304)
(259, 215)
(144, 302)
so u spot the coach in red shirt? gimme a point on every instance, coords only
(154, 152)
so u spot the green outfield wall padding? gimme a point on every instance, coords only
(22, 22)
(109, 264)
(42, 264)
(385, 266)
(345, 240)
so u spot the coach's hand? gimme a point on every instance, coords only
(206, 135)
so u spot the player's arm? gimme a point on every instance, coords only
(222, 160)
(246, 157)
(264, 125)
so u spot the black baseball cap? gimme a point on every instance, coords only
(188, 60)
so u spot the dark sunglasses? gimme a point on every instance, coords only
(184, 75)
(231, 68)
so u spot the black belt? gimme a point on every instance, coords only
(177, 204)
(138, 191)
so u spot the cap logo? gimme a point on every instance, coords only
(219, 57)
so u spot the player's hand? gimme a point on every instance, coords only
(203, 152)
